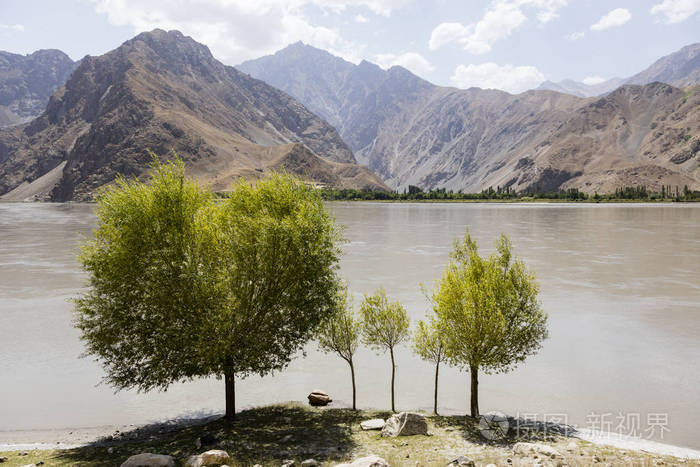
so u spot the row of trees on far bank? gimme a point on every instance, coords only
(183, 286)
(485, 318)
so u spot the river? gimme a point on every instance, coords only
(621, 284)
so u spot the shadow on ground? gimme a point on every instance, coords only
(262, 435)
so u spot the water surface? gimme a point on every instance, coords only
(620, 283)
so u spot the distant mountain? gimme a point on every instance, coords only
(579, 89)
(411, 132)
(680, 69)
(164, 91)
(27, 82)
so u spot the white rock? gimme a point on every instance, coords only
(369, 461)
(535, 448)
(212, 457)
(405, 424)
(309, 463)
(572, 446)
(373, 424)
(147, 459)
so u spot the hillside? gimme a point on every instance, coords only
(579, 89)
(165, 92)
(27, 82)
(411, 132)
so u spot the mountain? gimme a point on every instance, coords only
(411, 132)
(576, 88)
(680, 69)
(27, 82)
(164, 91)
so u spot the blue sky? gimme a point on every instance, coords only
(506, 44)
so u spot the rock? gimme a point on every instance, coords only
(535, 448)
(287, 463)
(110, 450)
(212, 457)
(309, 463)
(319, 398)
(571, 447)
(369, 461)
(373, 424)
(286, 439)
(463, 461)
(491, 465)
(3, 459)
(494, 425)
(405, 424)
(147, 459)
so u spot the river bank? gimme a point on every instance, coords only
(269, 435)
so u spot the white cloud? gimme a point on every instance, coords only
(12, 27)
(616, 17)
(593, 80)
(500, 19)
(361, 19)
(574, 36)
(675, 11)
(237, 30)
(490, 75)
(410, 60)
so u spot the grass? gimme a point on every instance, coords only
(268, 435)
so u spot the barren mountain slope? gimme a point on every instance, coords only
(164, 92)
(27, 82)
(409, 131)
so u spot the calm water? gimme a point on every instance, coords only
(621, 285)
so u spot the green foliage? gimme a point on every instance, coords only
(487, 311)
(487, 308)
(183, 287)
(384, 324)
(341, 333)
(427, 343)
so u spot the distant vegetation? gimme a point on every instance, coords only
(414, 193)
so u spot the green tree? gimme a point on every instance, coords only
(487, 311)
(427, 344)
(384, 326)
(340, 334)
(182, 287)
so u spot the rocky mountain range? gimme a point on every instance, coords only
(680, 69)
(411, 132)
(27, 82)
(165, 92)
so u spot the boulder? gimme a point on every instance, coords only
(369, 461)
(373, 424)
(147, 459)
(212, 457)
(494, 425)
(463, 461)
(405, 424)
(535, 448)
(319, 398)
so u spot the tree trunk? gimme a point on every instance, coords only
(230, 382)
(393, 376)
(474, 373)
(352, 374)
(437, 369)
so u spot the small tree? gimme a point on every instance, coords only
(183, 287)
(384, 326)
(340, 334)
(428, 345)
(487, 311)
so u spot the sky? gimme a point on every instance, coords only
(512, 45)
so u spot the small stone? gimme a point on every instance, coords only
(319, 398)
(373, 424)
(3, 459)
(369, 461)
(596, 458)
(491, 465)
(571, 447)
(212, 457)
(147, 459)
(24, 453)
(535, 448)
(309, 463)
(463, 461)
(110, 450)
(287, 463)
(286, 439)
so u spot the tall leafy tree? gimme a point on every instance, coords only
(340, 334)
(384, 326)
(182, 287)
(427, 344)
(487, 311)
